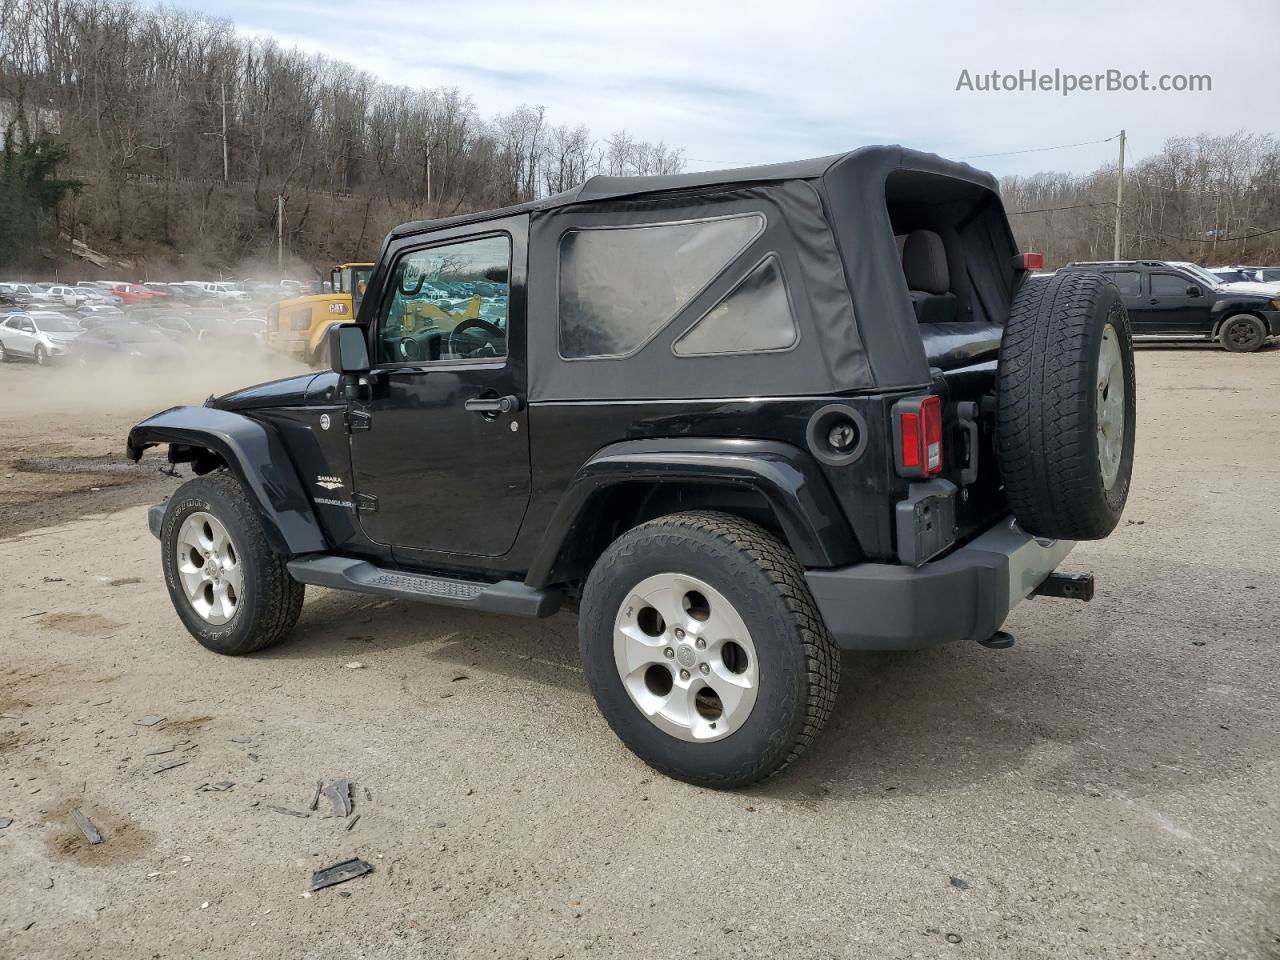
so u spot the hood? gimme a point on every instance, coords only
(290, 392)
(1260, 289)
(64, 336)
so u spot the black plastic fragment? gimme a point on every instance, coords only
(339, 873)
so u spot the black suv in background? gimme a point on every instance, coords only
(1183, 301)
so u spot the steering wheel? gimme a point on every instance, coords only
(475, 322)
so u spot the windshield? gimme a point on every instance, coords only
(57, 324)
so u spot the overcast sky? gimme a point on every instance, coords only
(745, 82)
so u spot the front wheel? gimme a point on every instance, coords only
(1242, 334)
(4, 354)
(232, 593)
(41, 357)
(704, 649)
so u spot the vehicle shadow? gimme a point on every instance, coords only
(1067, 708)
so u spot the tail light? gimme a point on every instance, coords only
(917, 433)
(1029, 261)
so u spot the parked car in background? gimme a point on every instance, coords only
(136, 343)
(67, 296)
(92, 314)
(39, 335)
(1183, 301)
(132, 293)
(23, 293)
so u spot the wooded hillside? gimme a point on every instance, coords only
(165, 137)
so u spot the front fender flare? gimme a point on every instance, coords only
(252, 451)
(786, 476)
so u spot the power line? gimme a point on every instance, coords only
(1247, 236)
(1060, 146)
(1074, 206)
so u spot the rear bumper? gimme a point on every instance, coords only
(965, 595)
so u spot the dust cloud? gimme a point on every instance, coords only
(109, 390)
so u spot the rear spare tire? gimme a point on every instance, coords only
(1067, 403)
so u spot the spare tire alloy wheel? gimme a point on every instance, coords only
(1110, 406)
(685, 657)
(1066, 406)
(1243, 334)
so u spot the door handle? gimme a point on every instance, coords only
(492, 405)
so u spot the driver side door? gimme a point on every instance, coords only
(439, 443)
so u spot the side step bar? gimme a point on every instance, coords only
(507, 596)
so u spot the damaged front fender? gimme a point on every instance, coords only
(209, 438)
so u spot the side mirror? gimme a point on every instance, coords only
(348, 350)
(1193, 291)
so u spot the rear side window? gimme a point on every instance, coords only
(754, 317)
(619, 286)
(1129, 282)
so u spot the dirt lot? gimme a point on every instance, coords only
(1110, 787)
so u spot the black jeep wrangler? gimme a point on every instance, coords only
(741, 420)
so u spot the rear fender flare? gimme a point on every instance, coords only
(252, 451)
(784, 475)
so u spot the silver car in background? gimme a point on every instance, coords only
(39, 335)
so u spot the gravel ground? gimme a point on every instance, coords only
(1107, 788)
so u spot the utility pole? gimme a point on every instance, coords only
(1115, 253)
(226, 166)
(280, 233)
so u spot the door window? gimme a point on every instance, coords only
(448, 302)
(1129, 282)
(1169, 285)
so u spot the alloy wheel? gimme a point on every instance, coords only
(209, 565)
(685, 657)
(1110, 407)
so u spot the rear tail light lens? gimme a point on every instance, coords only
(1029, 261)
(917, 428)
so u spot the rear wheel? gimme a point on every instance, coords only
(233, 594)
(704, 649)
(1067, 405)
(1242, 334)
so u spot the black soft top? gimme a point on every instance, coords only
(832, 223)
(871, 165)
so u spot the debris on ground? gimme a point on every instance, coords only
(86, 827)
(959, 884)
(352, 822)
(5, 821)
(158, 751)
(221, 787)
(355, 665)
(242, 739)
(148, 721)
(169, 765)
(315, 797)
(368, 795)
(338, 793)
(339, 873)
(292, 813)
